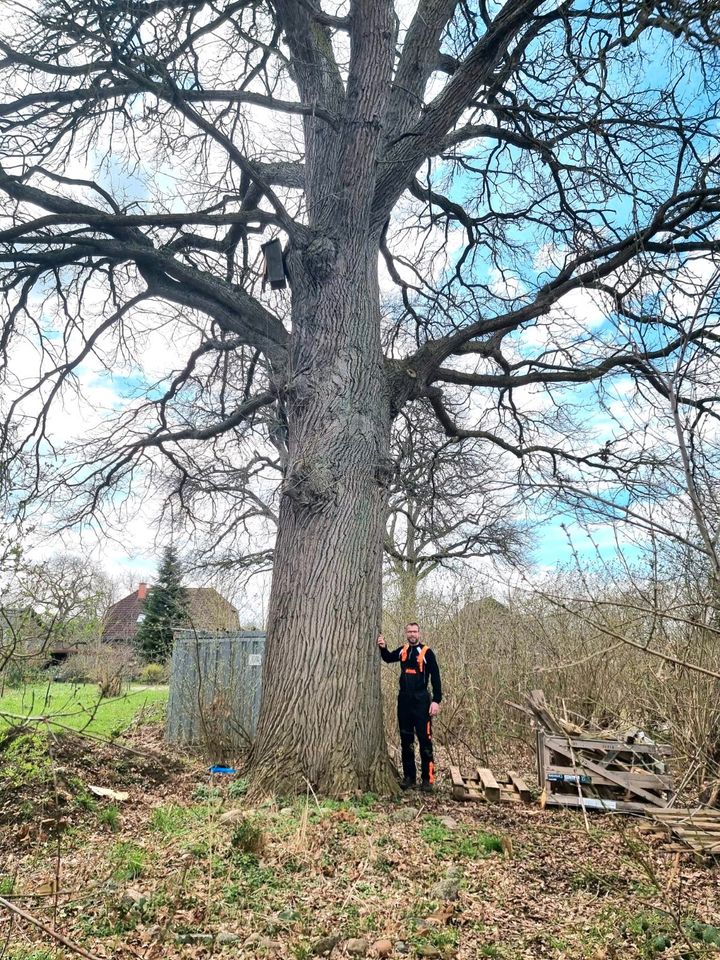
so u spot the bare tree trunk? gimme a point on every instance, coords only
(408, 582)
(321, 717)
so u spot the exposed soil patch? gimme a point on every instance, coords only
(45, 779)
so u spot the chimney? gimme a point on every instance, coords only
(142, 591)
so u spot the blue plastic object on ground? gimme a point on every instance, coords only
(218, 769)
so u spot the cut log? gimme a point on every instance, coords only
(538, 704)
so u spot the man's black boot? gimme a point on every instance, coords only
(407, 784)
(426, 786)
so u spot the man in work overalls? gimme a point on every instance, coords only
(418, 668)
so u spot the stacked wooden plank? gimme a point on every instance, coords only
(621, 771)
(595, 773)
(482, 785)
(695, 828)
(597, 769)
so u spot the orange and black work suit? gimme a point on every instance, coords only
(418, 668)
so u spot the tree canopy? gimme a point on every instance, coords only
(507, 211)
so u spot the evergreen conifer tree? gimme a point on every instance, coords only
(166, 607)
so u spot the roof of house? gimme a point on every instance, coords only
(209, 610)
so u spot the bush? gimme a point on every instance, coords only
(153, 673)
(247, 837)
(109, 665)
(73, 670)
(21, 672)
(110, 685)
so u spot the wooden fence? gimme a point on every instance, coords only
(215, 689)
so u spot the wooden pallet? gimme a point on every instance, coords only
(590, 772)
(697, 829)
(482, 785)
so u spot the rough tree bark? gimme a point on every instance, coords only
(321, 718)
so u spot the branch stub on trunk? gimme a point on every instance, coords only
(320, 257)
(309, 486)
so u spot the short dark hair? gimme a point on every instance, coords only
(413, 623)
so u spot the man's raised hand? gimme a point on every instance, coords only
(381, 641)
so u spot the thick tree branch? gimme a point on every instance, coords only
(412, 145)
(119, 91)
(317, 76)
(539, 372)
(419, 58)
(235, 309)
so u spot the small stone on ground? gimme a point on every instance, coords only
(405, 814)
(357, 947)
(323, 946)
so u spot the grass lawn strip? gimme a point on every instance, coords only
(79, 707)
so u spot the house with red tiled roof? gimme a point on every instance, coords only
(209, 611)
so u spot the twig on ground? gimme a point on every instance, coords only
(24, 915)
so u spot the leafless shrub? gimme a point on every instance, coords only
(216, 724)
(111, 666)
(609, 658)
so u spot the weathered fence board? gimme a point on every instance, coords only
(215, 689)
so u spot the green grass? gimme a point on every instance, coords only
(7, 885)
(128, 861)
(248, 878)
(655, 932)
(80, 705)
(442, 937)
(460, 843)
(110, 817)
(174, 820)
(238, 788)
(24, 953)
(247, 837)
(597, 882)
(26, 761)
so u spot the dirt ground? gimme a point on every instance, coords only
(185, 867)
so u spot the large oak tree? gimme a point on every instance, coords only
(535, 180)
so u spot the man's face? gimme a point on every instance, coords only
(412, 633)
